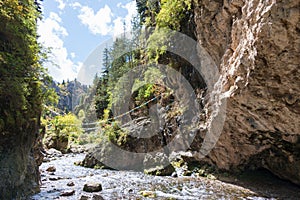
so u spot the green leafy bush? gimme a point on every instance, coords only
(63, 131)
(115, 134)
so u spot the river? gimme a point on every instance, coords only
(131, 185)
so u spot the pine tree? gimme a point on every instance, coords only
(102, 96)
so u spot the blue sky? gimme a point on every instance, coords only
(75, 28)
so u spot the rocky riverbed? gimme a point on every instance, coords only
(61, 179)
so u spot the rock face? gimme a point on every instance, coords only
(19, 160)
(256, 45)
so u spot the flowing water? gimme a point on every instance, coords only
(130, 185)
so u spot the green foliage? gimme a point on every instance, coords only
(106, 114)
(172, 13)
(81, 115)
(20, 60)
(117, 61)
(67, 127)
(90, 138)
(146, 87)
(145, 92)
(164, 16)
(115, 134)
(157, 43)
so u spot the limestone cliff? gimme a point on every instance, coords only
(256, 45)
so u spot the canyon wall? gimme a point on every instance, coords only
(256, 45)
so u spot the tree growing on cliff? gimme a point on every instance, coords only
(102, 96)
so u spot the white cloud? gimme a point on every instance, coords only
(131, 9)
(51, 33)
(101, 22)
(119, 5)
(61, 4)
(73, 55)
(119, 22)
(56, 17)
(97, 22)
(118, 27)
(75, 5)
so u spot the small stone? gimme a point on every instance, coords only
(212, 177)
(54, 178)
(83, 197)
(67, 193)
(92, 187)
(51, 169)
(97, 197)
(149, 194)
(77, 163)
(46, 159)
(71, 184)
(129, 190)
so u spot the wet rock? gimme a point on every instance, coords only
(51, 141)
(97, 197)
(92, 187)
(91, 161)
(78, 163)
(71, 183)
(52, 191)
(83, 197)
(76, 149)
(161, 170)
(129, 190)
(54, 178)
(54, 152)
(51, 169)
(46, 159)
(158, 165)
(149, 194)
(67, 193)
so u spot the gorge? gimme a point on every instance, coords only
(255, 46)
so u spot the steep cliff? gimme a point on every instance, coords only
(256, 45)
(71, 94)
(20, 99)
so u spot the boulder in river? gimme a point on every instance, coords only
(51, 169)
(97, 197)
(67, 193)
(54, 178)
(161, 170)
(53, 152)
(83, 197)
(71, 183)
(92, 187)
